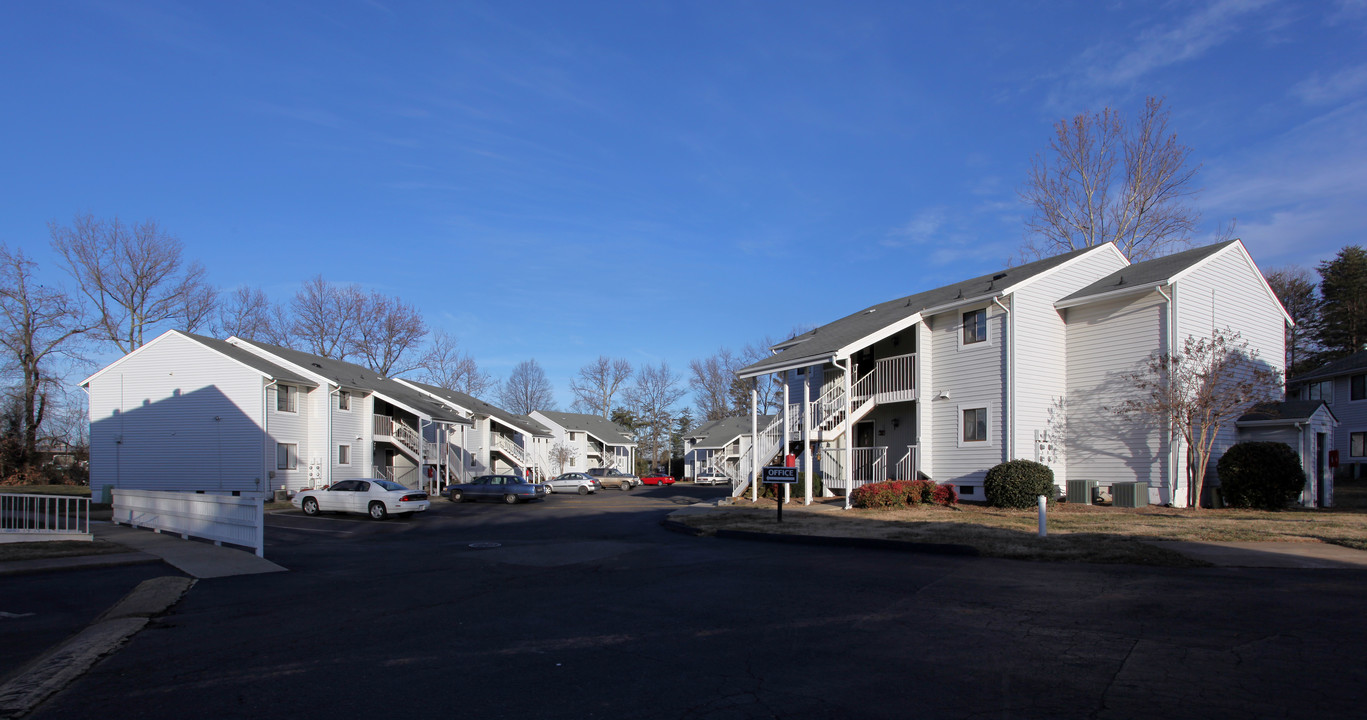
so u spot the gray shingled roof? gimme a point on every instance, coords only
(1149, 273)
(356, 376)
(720, 433)
(595, 425)
(250, 359)
(1286, 410)
(480, 407)
(826, 340)
(1352, 364)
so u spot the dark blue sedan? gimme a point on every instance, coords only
(508, 488)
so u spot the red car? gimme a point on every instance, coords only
(657, 480)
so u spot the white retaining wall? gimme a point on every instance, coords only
(221, 518)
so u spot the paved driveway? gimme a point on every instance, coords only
(586, 608)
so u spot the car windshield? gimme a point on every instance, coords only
(389, 485)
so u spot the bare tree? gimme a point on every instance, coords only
(1105, 181)
(325, 317)
(653, 397)
(599, 382)
(387, 330)
(561, 455)
(247, 313)
(711, 380)
(1295, 288)
(37, 322)
(446, 366)
(135, 276)
(1198, 391)
(527, 389)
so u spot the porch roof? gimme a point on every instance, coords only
(1349, 365)
(480, 407)
(595, 425)
(720, 433)
(1285, 412)
(826, 341)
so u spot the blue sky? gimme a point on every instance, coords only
(651, 180)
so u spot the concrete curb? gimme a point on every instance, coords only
(678, 527)
(57, 668)
(839, 541)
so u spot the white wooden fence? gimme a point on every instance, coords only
(222, 518)
(35, 518)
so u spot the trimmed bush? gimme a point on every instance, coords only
(1015, 484)
(1263, 475)
(902, 493)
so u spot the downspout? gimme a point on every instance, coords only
(1173, 462)
(422, 454)
(1009, 391)
(266, 429)
(328, 449)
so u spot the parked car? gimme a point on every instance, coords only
(574, 482)
(657, 480)
(612, 477)
(376, 497)
(508, 488)
(711, 477)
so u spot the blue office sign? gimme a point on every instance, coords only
(770, 474)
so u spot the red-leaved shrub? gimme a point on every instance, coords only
(902, 493)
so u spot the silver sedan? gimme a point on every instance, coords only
(574, 483)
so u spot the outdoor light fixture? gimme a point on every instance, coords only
(896, 422)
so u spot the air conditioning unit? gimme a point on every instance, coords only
(1080, 491)
(1130, 494)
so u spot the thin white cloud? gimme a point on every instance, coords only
(925, 226)
(1342, 85)
(1185, 39)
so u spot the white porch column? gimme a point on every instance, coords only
(848, 470)
(754, 441)
(806, 434)
(787, 488)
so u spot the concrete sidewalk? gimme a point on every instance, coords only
(196, 558)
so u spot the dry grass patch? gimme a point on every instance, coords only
(73, 490)
(1077, 533)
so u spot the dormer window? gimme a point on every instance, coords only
(286, 399)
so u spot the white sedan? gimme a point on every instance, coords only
(375, 497)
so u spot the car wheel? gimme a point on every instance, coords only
(378, 511)
(624, 487)
(510, 499)
(583, 490)
(456, 496)
(310, 506)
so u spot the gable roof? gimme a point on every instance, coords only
(1284, 412)
(595, 425)
(480, 407)
(829, 339)
(351, 375)
(249, 359)
(719, 433)
(1352, 364)
(1145, 275)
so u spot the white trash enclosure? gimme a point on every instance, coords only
(223, 518)
(35, 518)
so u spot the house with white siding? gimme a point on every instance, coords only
(718, 447)
(593, 441)
(1308, 427)
(1029, 362)
(498, 442)
(188, 412)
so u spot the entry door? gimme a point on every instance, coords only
(1320, 452)
(863, 434)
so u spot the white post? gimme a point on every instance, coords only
(806, 433)
(1043, 503)
(787, 491)
(848, 471)
(754, 441)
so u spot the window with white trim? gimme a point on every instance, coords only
(1357, 444)
(973, 425)
(343, 400)
(975, 327)
(286, 398)
(343, 454)
(1322, 390)
(1357, 387)
(286, 456)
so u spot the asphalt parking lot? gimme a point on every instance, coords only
(578, 607)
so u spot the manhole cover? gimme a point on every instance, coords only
(485, 545)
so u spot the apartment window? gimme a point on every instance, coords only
(343, 454)
(286, 456)
(975, 425)
(1322, 390)
(286, 398)
(344, 400)
(572, 437)
(1357, 387)
(975, 326)
(572, 460)
(1357, 444)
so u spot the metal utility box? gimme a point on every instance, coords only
(1080, 491)
(1130, 494)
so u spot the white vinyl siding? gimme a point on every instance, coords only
(353, 427)
(973, 379)
(294, 427)
(1107, 342)
(1041, 355)
(177, 416)
(286, 456)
